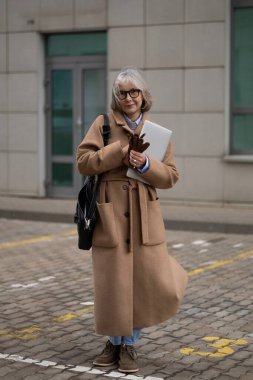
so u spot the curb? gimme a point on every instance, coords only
(179, 225)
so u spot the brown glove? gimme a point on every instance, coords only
(136, 143)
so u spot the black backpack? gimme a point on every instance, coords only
(86, 207)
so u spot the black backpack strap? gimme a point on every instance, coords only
(106, 129)
(106, 136)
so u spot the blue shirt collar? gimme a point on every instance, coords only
(129, 121)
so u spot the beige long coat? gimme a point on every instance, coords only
(137, 284)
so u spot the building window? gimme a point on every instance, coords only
(76, 44)
(241, 134)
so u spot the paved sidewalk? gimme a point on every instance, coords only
(212, 218)
(47, 321)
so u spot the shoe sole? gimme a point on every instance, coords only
(104, 365)
(128, 370)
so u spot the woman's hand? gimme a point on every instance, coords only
(137, 159)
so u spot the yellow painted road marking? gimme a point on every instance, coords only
(33, 331)
(70, 316)
(29, 334)
(23, 334)
(69, 233)
(220, 263)
(35, 240)
(223, 347)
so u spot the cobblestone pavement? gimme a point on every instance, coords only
(46, 320)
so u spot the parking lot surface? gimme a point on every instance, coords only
(47, 325)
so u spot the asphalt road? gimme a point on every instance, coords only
(46, 319)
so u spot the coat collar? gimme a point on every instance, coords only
(121, 122)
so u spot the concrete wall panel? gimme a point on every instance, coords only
(201, 179)
(3, 133)
(122, 12)
(204, 10)
(167, 89)
(23, 92)
(56, 15)
(4, 172)
(25, 59)
(3, 8)
(204, 90)
(23, 133)
(3, 60)
(3, 93)
(23, 173)
(165, 46)
(90, 14)
(23, 15)
(164, 11)
(204, 44)
(238, 182)
(126, 47)
(203, 135)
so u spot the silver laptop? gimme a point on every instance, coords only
(159, 138)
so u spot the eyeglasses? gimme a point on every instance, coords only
(134, 93)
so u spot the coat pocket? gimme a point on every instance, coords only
(156, 230)
(105, 233)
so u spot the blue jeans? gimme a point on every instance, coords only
(128, 340)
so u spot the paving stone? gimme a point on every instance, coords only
(211, 374)
(237, 372)
(202, 377)
(183, 375)
(248, 376)
(200, 366)
(5, 371)
(248, 362)
(38, 376)
(226, 364)
(22, 373)
(63, 376)
(240, 355)
(218, 303)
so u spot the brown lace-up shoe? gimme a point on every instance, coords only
(128, 359)
(109, 355)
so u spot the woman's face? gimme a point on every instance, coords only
(131, 106)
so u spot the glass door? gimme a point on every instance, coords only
(92, 90)
(76, 96)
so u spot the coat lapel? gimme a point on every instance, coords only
(121, 122)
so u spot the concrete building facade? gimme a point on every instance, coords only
(183, 48)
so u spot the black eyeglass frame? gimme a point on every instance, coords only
(122, 95)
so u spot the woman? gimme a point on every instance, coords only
(137, 284)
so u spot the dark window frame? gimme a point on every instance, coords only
(234, 111)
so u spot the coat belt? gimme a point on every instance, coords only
(143, 211)
(143, 207)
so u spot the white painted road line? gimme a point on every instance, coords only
(199, 242)
(87, 303)
(179, 245)
(32, 284)
(46, 278)
(73, 368)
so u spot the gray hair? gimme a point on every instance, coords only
(131, 74)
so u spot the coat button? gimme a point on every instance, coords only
(127, 241)
(124, 187)
(127, 214)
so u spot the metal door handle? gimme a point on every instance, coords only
(79, 121)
